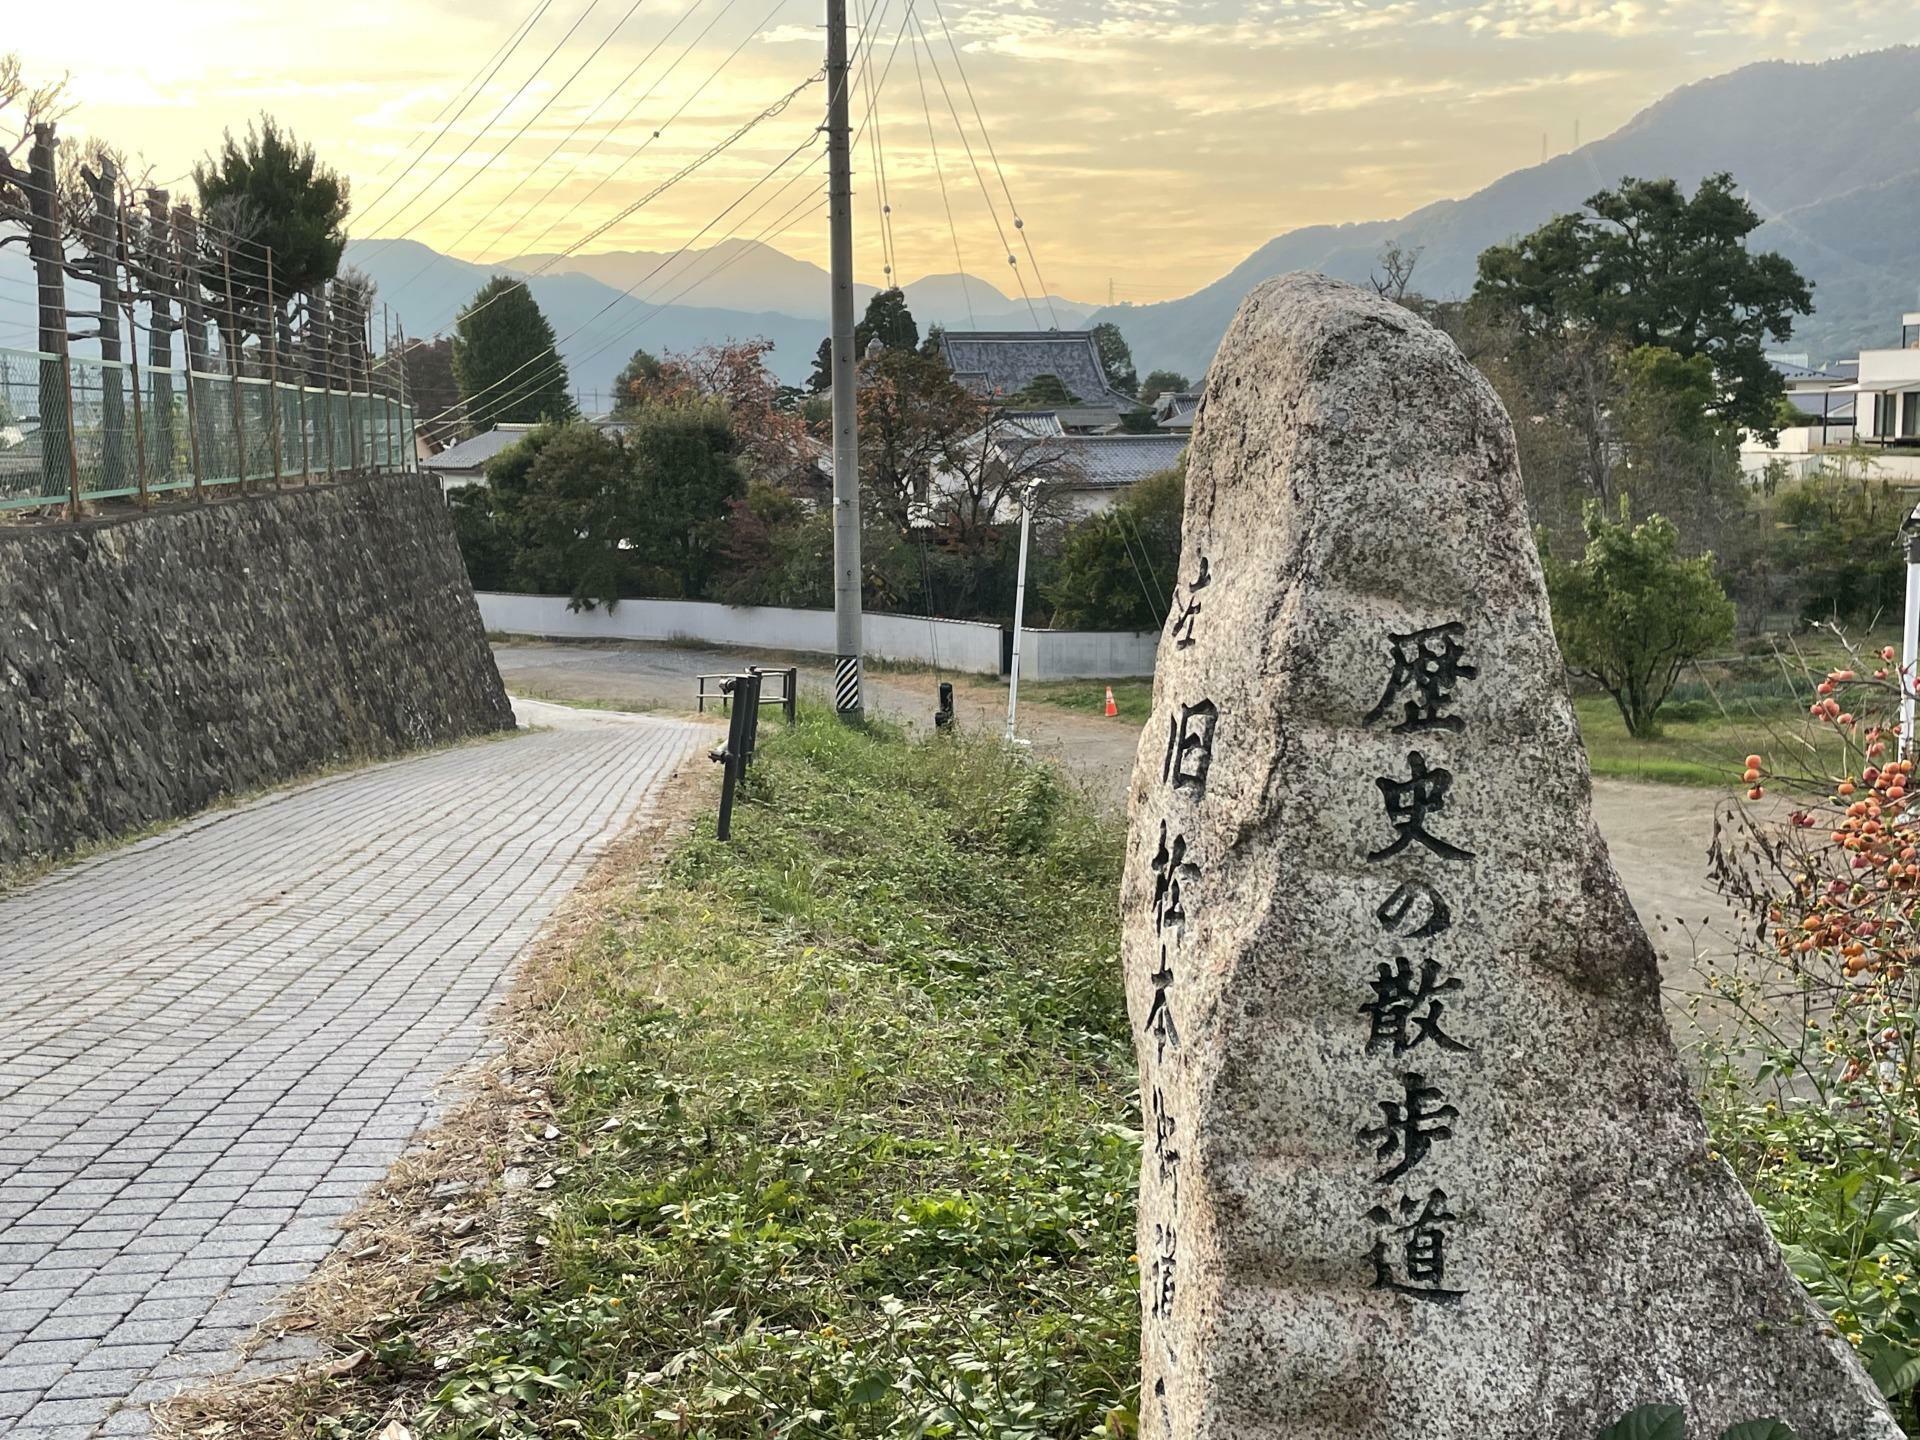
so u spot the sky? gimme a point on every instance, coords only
(1145, 146)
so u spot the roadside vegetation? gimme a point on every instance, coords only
(1811, 1032)
(842, 1137)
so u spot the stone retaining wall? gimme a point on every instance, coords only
(151, 664)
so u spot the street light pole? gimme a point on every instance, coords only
(1020, 604)
(846, 454)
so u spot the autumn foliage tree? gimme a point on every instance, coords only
(772, 438)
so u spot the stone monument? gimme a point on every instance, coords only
(1420, 1161)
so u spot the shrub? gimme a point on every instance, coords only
(1812, 1093)
(1631, 613)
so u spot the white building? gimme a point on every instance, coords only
(1872, 402)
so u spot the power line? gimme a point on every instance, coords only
(885, 226)
(613, 129)
(600, 184)
(933, 145)
(518, 33)
(492, 210)
(980, 180)
(455, 118)
(495, 119)
(550, 357)
(768, 113)
(986, 135)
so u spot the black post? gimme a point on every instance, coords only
(746, 696)
(792, 702)
(943, 717)
(729, 757)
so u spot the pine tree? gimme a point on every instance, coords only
(504, 359)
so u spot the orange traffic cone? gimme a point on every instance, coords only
(1112, 709)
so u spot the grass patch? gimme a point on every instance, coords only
(1133, 696)
(843, 1138)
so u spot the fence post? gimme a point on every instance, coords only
(306, 346)
(158, 287)
(409, 449)
(233, 364)
(133, 362)
(273, 371)
(793, 693)
(56, 365)
(101, 229)
(333, 467)
(186, 237)
(729, 757)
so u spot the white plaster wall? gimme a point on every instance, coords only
(965, 645)
(1086, 654)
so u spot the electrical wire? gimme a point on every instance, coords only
(1019, 225)
(494, 209)
(979, 179)
(518, 33)
(374, 204)
(467, 149)
(769, 112)
(933, 145)
(658, 131)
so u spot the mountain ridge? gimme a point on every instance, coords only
(1804, 177)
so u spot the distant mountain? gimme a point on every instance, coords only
(1828, 152)
(750, 275)
(737, 290)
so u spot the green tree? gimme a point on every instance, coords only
(1162, 382)
(273, 190)
(504, 359)
(887, 320)
(1113, 563)
(686, 459)
(1116, 360)
(1645, 265)
(1632, 612)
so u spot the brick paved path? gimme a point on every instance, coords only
(213, 1041)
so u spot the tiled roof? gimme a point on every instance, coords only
(1174, 409)
(1004, 362)
(1099, 462)
(473, 454)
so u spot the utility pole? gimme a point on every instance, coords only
(846, 453)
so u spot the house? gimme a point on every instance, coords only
(1082, 473)
(1872, 402)
(465, 464)
(1174, 410)
(997, 364)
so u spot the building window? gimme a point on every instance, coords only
(1910, 414)
(1883, 416)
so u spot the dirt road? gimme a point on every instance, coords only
(1658, 833)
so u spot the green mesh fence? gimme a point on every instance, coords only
(94, 425)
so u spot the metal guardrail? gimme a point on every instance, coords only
(787, 696)
(744, 694)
